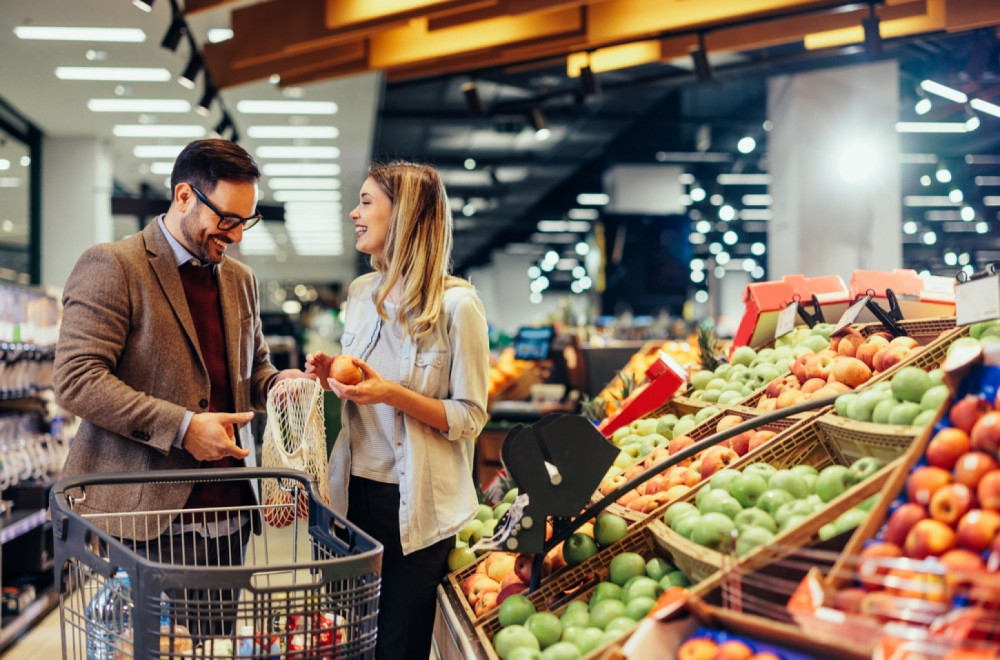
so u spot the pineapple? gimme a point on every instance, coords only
(708, 345)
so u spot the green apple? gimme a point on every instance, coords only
(720, 501)
(644, 426)
(546, 627)
(471, 528)
(823, 329)
(869, 502)
(924, 418)
(459, 557)
(790, 481)
(711, 395)
(815, 342)
(657, 567)
(763, 469)
(623, 460)
(751, 538)
(665, 425)
(705, 413)
(604, 591)
(972, 342)
(910, 383)
(641, 586)
(588, 639)
(722, 478)
(730, 397)
(578, 548)
(880, 414)
(576, 617)
(722, 371)
(742, 355)
(845, 521)
(484, 513)
(485, 530)
(685, 524)
(619, 434)
(754, 517)
(804, 468)
(747, 488)
(639, 607)
(603, 612)
(701, 379)
(772, 498)
(524, 653)
(620, 624)
(936, 375)
(609, 528)
(863, 468)
(792, 509)
(713, 530)
(701, 494)
(513, 637)
(935, 397)
(842, 402)
(625, 565)
(675, 579)
(832, 481)
(677, 509)
(683, 425)
(501, 509)
(904, 413)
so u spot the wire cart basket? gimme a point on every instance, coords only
(306, 588)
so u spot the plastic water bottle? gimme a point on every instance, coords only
(109, 616)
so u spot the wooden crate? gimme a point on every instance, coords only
(575, 584)
(808, 443)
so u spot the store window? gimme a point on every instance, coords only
(18, 199)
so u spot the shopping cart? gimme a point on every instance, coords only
(308, 586)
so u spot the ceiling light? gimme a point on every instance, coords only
(697, 276)
(982, 228)
(300, 169)
(469, 164)
(699, 56)
(701, 296)
(4, 164)
(470, 92)
(968, 213)
(145, 5)
(756, 200)
(583, 214)
(306, 196)
(281, 152)
(929, 238)
(191, 71)
(756, 214)
(303, 183)
(697, 194)
(293, 132)
(205, 104)
(178, 28)
(972, 123)
(730, 238)
(593, 199)
(909, 227)
(942, 174)
(726, 212)
(758, 249)
(955, 195)
(746, 145)
(943, 91)
(696, 239)
(985, 106)
(263, 107)
(158, 130)
(218, 35)
(542, 131)
(923, 104)
(116, 73)
(703, 226)
(932, 127)
(925, 180)
(139, 105)
(44, 33)
(927, 200)
(987, 180)
(582, 248)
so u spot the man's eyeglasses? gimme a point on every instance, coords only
(228, 221)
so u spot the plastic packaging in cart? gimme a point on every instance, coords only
(109, 617)
(711, 640)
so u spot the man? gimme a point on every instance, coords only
(162, 356)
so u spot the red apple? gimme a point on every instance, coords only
(767, 403)
(811, 385)
(818, 365)
(988, 490)
(759, 438)
(509, 579)
(798, 367)
(923, 481)
(733, 649)
(893, 354)
(950, 502)
(908, 342)
(715, 458)
(342, 369)
(985, 434)
(851, 371)
(977, 529)
(901, 520)
(486, 602)
(740, 443)
(972, 466)
(480, 586)
(928, 538)
(866, 351)
(849, 343)
(728, 421)
(522, 567)
(789, 397)
(963, 569)
(678, 444)
(277, 510)
(946, 446)
(697, 648)
(874, 562)
(849, 599)
(966, 411)
(510, 590)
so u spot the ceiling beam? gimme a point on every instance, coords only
(318, 64)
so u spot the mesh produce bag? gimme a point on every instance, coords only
(295, 438)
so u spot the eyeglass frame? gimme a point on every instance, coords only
(223, 217)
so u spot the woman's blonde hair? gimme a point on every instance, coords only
(417, 249)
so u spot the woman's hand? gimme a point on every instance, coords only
(372, 389)
(318, 366)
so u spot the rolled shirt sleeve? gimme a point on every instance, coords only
(469, 378)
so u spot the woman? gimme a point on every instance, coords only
(401, 468)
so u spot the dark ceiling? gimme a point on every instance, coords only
(640, 112)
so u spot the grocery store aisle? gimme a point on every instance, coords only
(42, 641)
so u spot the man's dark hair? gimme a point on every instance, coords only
(203, 163)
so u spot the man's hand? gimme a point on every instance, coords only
(318, 367)
(211, 436)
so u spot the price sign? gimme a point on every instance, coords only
(850, 315)
(786, 320)
(977, 300)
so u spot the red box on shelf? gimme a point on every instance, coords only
(764, 300)
(664, 378)
(918, 296)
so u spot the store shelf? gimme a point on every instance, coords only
(15, 626)
(21, 523)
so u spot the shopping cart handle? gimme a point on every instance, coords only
(167, 476)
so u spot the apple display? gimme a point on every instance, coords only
(578, 548)
(988, 490)
(819, 365)
(965, 412)
(716, 458)
(759, 438)
(972, 466)
(950, 502)
(832, 481)
(977, 529)
(747, 488)
(864, 467)
(874, 563)
(866, 351)
(720, 501)
(985, 434)
(923, 481)
(901, 520)
(713, 530)
(851, 371)
(754, 517)
(928, 537)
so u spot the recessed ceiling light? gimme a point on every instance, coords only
(217, 35)
(985, 106)
(158, 130)
(301, 169)
(134, 74)
(931, 127)
(50, 33)
(943, 91)
(157, 150)
(294, 132)
(592, 199)
(252, 107)
(138, 105)
(303, 183)
(306, 196)
(274, 152)
(161, 167)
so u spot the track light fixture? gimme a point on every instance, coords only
(470, 91)
(873, 40)
(542, 131)
(234, 135)
(588, 82)
(191, 71)
(224, 123)
(177, 29)
(699, 56)
(205, 104)
(145, 5)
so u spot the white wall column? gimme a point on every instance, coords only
(76, 202)
(834, 158)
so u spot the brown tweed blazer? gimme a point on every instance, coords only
(128, 364)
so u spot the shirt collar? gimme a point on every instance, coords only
(181, 254)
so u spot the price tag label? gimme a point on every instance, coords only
(786, 320)
(849, 316)
(977, 300)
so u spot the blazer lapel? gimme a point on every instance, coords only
(164, 264)
(230, 296)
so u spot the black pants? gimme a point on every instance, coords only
(205, 612)
(409, 582)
